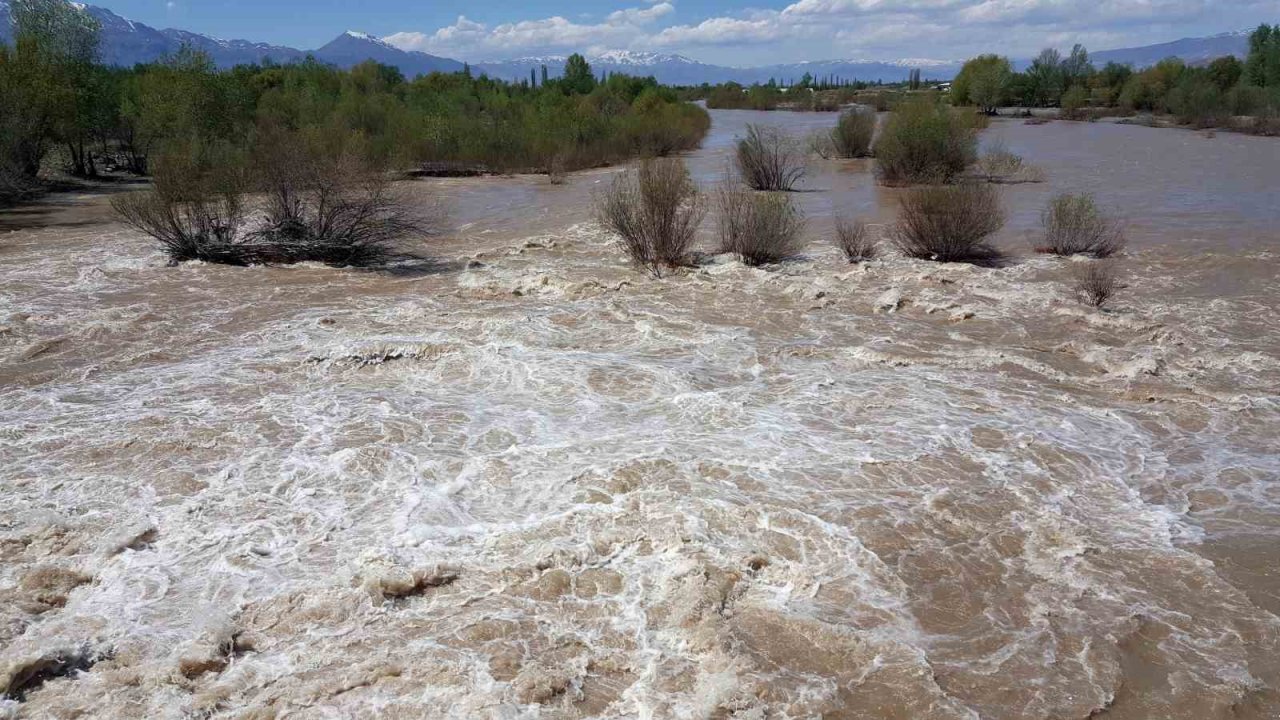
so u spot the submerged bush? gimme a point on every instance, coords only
(950, 223)
(759, 227)
(1000, 165)
(328, 201)
(1073, 225)
(854, 240)
(325, 201)
(924, 142)
(770, 160)
(655, 211)
(1095, 283)
(195, 209)
(853, 133)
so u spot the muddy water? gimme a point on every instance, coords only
(526, 481)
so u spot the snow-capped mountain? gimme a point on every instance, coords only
(125, 42)
(351, 48)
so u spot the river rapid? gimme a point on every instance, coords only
(527, 481)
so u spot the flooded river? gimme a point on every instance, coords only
(529, 482)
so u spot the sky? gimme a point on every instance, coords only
(732, 32)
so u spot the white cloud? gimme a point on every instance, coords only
(819, 29)
(554, 34)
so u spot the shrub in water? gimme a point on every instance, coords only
(853, 132)
(1095, 283)
(950, 223)
(328, 201)
(759, 228)
(999, 165)
(323, 202)
(924, 142)
(655, 211)
(1073, 225)
(770, 160)
(195, 209)
(854, 240)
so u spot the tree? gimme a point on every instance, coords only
(1225, 72)
(1074, 101)
(51, 88)
(984, 82)
(1262, 68)
(1046, 78)
(578, 79)
(1076, 69)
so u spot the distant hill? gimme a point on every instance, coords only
(1193, 51)
(125, 42)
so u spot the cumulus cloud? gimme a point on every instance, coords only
(554, 34)
(820, 29)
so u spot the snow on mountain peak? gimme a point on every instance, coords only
(366, 37)
(629, 57)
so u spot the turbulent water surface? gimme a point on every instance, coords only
(528, 481)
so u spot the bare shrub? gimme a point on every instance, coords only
(1095, 283)
(821, 144)
(925, 142)
(950, 223)
(195, 209)
(1073, 225)
(323, 202)
(770, 160)
(328, 200)
(999, 165)
(655, 211)
(853, 133)
(760, 228)
(556, 174)
(855, 240)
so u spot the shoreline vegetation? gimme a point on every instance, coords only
(67, 113)
(1227, 93)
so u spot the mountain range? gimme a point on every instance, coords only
(124, 42)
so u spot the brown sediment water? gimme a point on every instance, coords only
(528, 481)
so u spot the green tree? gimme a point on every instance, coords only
(578, 79)
(52, 89)
(1074, 101)
(984, 82)
(1262, 68)
(1046, 78)
(1225, 72)
(1076, 69)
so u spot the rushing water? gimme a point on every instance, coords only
(531, 482)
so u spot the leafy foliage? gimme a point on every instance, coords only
(924, 141)
(128, 117)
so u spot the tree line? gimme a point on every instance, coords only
(62, 107)
(1196, 95)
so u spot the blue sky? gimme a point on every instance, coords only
(720, 31)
